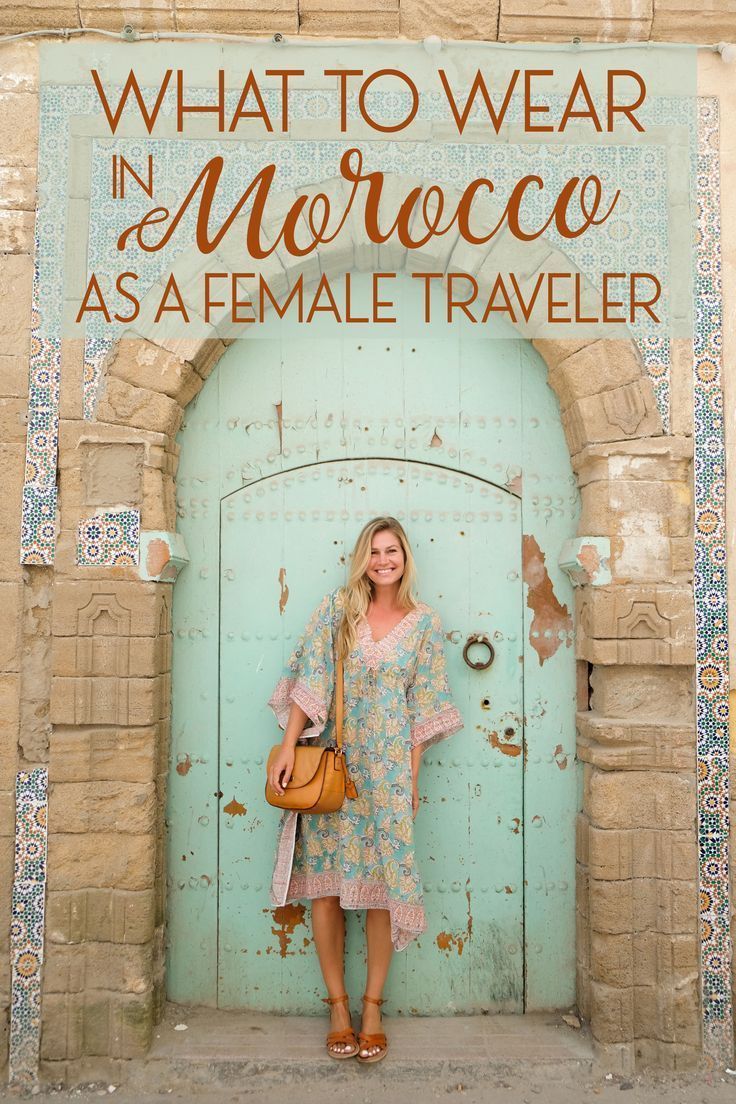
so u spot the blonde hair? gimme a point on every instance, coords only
(358, 590)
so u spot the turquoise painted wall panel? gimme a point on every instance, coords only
(482, 408)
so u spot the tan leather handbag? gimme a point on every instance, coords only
(320, 779)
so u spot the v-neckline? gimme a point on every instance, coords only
(380, 651)
(386, 634)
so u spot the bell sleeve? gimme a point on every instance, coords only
(432, 712)
(308, 677)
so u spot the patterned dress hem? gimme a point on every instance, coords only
(407, 921)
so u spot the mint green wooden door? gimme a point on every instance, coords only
(472, 795)
(287, 451)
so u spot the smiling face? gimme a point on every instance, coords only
(386, 563)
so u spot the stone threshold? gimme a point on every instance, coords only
(251, 1050)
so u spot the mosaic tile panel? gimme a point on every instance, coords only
(109, 539)
(38, 531)
(637, 240)
(38, 527)
(711, 610)
(27, 924)
(655, 352)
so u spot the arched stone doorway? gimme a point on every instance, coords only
(635, 632)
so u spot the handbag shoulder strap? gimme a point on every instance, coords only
(338, 702)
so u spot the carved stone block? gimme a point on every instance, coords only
(628, 411)
(635, 625)
(105, 608)
(107, 701)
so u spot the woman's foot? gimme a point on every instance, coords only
(341, 1041)
(371, 1039)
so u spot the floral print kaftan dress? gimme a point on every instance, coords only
(396, 696)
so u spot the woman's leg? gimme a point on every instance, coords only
(380, 951)
(328, 928)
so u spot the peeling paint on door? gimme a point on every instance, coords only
(280, 423)
(284, 598)
(502, 746)
(286, 918)
(184, 766)
(234, 808)
(559, 757)
(445, 941)
(552, 622)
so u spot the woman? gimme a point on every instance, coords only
(397, 703)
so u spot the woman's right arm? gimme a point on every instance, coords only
(284, 761)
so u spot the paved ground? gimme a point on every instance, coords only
(527, 1088)
(202, 1056)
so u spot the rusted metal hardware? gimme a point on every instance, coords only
(479, 638)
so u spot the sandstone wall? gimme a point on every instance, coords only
(503, 20)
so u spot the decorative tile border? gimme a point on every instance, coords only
(27, 925)
(655, 352)
(38, 532)
(109, 539)
(711, 608)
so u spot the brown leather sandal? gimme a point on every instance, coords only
(378, 1039)
(347, 1035)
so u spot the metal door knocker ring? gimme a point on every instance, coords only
(479, 638)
